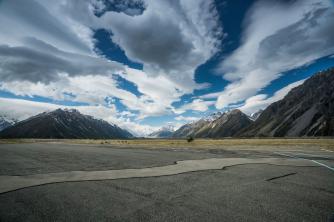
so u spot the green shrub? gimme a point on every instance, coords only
(190, 139)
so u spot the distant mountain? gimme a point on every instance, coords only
(224, 125)
(60, 123)
(256, 115)
(307, 110)
(190, 129)
(227, 125)
(6, 122)
(213, 116)
(164, 132)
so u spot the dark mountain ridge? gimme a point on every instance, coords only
(307, 110)
(224, 125)
(59, 124)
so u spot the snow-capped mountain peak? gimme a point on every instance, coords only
(163, 132)
(213, 116)
(6, 121)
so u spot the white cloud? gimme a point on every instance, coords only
(171, 56)
(95, 90)
(47, 49)
(20, 19)
(22, 109)
(41, 62)
(90, 89)
(213, 95)
(140, 130)
(186, 118)
(159, 93)
(278, 37)
(261, 101)
(171, 38)
(196, 105)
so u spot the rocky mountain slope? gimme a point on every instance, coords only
(190, 129)
(307, 110)
(256, 115)
(64, 124)
(224, 125)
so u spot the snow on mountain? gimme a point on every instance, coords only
(64, 124)
(256, 115)
(164, 132)
(6, 122)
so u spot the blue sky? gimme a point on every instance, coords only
(143, 64)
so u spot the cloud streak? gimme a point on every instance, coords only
(50, 45)
(19, 19)
(261, 101)
(291, 35)
(41, 62)
(171, 38)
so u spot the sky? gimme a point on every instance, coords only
(144, 64)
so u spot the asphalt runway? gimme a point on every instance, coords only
(218, 184)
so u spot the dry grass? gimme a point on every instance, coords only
(254, 143)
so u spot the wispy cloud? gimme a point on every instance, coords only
(37, 61)
(261, 101)
(169, 37)
(278, 37)
(186, 118)
(49, 45)
(47, 49)
(196, 105)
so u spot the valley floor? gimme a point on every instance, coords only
(229, 180)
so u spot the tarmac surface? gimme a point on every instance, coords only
(61, 182)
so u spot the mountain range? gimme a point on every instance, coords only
(64, 124)
(226, 124)
(307, 110)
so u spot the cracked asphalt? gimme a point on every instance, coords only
(248, 192)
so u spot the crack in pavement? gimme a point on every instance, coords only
(278, 177)
(12, 183)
